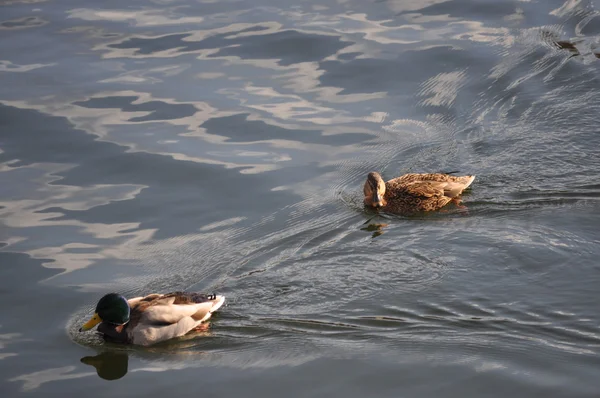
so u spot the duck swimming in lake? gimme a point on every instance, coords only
(151, 319)
(413, 193)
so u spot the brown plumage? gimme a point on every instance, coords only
(413, 193)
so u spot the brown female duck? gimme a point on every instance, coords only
(413, 193)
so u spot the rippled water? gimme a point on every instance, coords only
(222, 146)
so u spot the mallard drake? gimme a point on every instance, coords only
(151, 319)
(413, 193)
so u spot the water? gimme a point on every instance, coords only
(222, 146)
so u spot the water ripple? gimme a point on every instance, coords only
(222, 146)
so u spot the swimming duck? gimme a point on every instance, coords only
(413, 193)
(151, 319)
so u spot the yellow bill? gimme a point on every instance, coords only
(94, 320)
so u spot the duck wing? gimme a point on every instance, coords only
(161, 317)
(453, 186)
(424, 189)
(173, 307)
(415, 177)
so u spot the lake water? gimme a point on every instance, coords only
(222, 146)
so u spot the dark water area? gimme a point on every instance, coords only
(222, 146)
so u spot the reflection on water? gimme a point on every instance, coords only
(222, 146)
(109, 365)
(112, 360)
(377, 229)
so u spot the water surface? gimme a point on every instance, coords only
(222, 146)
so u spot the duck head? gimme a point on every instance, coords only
(374, 190)
(112, 308)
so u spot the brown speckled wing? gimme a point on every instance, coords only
(417, 196)
(424, 189)
(414, 192)
(413, 177)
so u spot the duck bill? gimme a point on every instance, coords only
(94, 320)
(377, 200)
